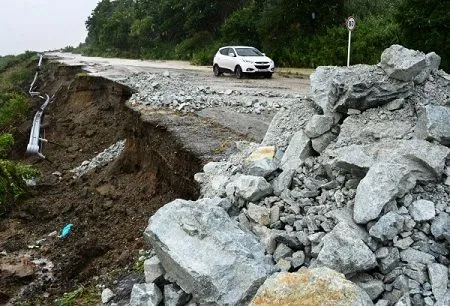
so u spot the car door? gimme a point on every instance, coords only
(222, 58)
(229, 60)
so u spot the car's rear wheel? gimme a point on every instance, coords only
(238, 72)
(217, 71)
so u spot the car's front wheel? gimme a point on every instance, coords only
(238, 72)
(217, 71)
(268, 75)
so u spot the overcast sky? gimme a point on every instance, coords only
(40, 25)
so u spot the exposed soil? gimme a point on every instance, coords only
(108, 207)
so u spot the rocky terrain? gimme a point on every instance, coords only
(345, 201)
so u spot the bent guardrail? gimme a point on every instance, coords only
(35, 143)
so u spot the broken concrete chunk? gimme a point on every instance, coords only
(387, 227)
(374, 288)
(175, 296)
(422, 210)
(283, 181)
(319, 144)
(345, 252)
(298, 150)
(319, 286)
(389, 262)
(401, 63)
(439, 279)
(250, 188)
(383, 183)
(153, 269)
(145, 295)
(440, 228)
(411, 255)
(262, 167)
(258, 214)
(213, 247)
(434, 124)
(318, 125)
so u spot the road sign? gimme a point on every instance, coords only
(350, 23)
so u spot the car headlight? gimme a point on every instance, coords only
(247, 61)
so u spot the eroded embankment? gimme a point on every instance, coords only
(109, 207)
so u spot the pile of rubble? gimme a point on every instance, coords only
(354, 181)
(179, 91)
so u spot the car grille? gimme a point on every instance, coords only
(259, 66)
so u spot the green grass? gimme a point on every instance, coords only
(85, 296)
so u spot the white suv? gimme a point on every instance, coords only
(242, 60)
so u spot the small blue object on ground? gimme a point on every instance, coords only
(65, 231)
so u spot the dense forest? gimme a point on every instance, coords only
(296, 33)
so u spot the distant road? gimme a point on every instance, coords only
(117, 68)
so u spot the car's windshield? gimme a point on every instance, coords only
(248, 52)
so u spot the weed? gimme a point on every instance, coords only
(86, 296)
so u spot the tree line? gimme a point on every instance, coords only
(297, 33)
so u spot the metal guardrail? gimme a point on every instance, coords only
(35, 143)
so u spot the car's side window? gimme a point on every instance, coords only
(224, 51)
(231, 50)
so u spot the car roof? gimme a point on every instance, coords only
(238, 47)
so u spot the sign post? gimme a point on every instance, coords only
(350, 23)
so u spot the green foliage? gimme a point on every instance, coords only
(6, 143)
(13, 109)
(12, 175)
(81, 296)
(186, 49)
(203, 57)
(12, 184)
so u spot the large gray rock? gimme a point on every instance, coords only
(145, 295)
(250, 188)
(298, 150)
(337, 89)
(401, 63)
(345, 252)
(318, 125)
(422, 210)
(383, 183)
(440, 227)
(399, 165)
(425, 159)
(200, 246)
(439, 279)
(388, 226)
(434, 124)
(319, 286)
